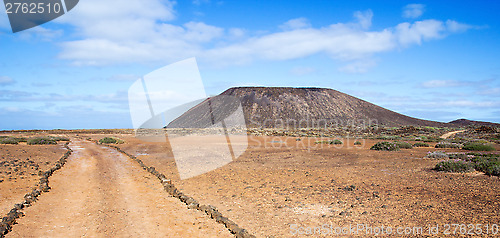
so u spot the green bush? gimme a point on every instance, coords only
(385, 146)
(457, 166)
(58, 138)
(461, 156)
(11, 140)
(331, 142)
(492, 170)
(448, 145)
(403, 145)
(8, 140)
(488, 164)
(336, 142)
(477, 147)
(437, 155)
(432, 139)
(421, 144)
(42, 141)
(357, 143)
(387, 137)
(110, 140)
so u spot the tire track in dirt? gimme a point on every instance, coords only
(101, 193)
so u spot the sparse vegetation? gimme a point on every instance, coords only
(357, 143)
(421, 144)
(59, 138)
(476, 146)
(8, 140)
(456, 165)
(111, 140)
(403, 145)
(461, 162)
(11, 140)
(42, 141)
(388, 137)
(331, 142)
(385, 146)
(448, 145)
(336, 142)
(437, 155)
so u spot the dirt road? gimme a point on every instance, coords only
(446, 135)
(101, 193)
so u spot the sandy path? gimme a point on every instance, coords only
(101, 193)
(446, 135)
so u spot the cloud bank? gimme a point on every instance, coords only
(141, 32)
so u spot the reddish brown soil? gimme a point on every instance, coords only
(19, 170)
(102, 193)
(274, 186)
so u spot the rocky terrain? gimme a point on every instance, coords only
(287, 181)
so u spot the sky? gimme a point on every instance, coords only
(434, 60)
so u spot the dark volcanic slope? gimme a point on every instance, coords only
(465, 122)
(312, 107)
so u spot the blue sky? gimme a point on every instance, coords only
(435, 60)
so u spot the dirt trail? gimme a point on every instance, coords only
(446, 135)
(101, 193)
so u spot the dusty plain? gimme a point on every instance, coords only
(285, 186)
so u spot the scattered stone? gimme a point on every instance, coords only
(349, 188)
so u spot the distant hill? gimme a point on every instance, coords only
(270, 107)
(465, 122)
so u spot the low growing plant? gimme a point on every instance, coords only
(403, 145)
(336, 142)
(475, 146)
(357, 143)
(448, 145)
(437, 155)
(331, 142)
(421, 144)
(42, 141)
(110, 140)
(385, 146)
(8, 140)
(456, 165)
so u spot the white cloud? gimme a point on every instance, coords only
(236, 33)
(5, 80)
(413, 10)
(442, 83)
(138, 33)
(40, 33)
(364, 18)
(471, 104)
(415, 33)
(360, 66)
(454, 26)
(491, 92)
(297, 23)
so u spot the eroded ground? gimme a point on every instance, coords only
(102, 193)
(280, 184)
(20, 166)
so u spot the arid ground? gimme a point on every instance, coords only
(280, 187)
